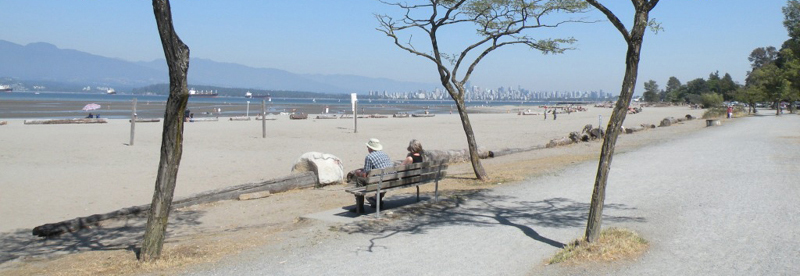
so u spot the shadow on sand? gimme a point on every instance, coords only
(123, 233)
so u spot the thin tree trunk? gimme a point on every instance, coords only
(634, 42)
(480, 173)
(177, 55)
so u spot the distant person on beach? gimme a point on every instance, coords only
(554, 114)
(97, 116)
(90, 116)
(414, 152)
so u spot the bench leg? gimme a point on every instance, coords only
(360, 204)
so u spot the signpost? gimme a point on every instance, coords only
(354, 104)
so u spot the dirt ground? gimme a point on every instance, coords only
(204, 234)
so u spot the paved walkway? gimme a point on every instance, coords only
(721, 201)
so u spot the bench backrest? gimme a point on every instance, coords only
(416, 173)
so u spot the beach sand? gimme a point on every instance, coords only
(52, 173)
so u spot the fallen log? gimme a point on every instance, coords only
(563, 141)
(2, 123)
(327, 116)
(294, 181)
(507, 151)
(298, 116)
(146, 120)
(208, 119)
(240, 118)
(66, 121)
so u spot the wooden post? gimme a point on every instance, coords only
(378, 197)
(133, 121)
(355, 118)
(263, 118)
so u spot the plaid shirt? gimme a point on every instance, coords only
(376, 160)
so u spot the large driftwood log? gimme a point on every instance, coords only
(563, 141)
(454, 156)
(507, 151)
(295, 181)
(2, 123)
(66, 121)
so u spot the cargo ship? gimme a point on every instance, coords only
(257, 96)
(5, 88)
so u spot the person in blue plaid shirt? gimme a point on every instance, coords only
(376, 159)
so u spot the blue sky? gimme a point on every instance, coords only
(339, 37)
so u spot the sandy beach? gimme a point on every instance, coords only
(58, 172)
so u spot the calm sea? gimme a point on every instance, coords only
(69, 105)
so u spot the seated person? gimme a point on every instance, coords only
(415, 152)
(90, 116)
(376, 159)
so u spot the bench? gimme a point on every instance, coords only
(398, 177)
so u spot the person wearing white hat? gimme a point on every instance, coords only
(376, 159)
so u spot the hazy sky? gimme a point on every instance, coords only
(339, 37)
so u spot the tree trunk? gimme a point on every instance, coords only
(480, 173)
(594, 223)
(177, 55)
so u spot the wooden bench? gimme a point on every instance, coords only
(398, 177)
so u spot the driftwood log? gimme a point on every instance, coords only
(66, 121)
(138, 120)
(563, 141)
(208, 119)
(2, 123)
(507, 151)
(298, 116)
(240, 118)
(294, 181)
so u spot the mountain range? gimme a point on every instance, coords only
(45, 62)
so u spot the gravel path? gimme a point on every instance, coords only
(721, 201)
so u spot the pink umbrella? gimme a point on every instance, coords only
(91, 106)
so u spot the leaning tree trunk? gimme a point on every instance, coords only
(177, 55)
(473, 146)
(634, 42)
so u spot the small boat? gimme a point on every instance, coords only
(5, 88)
(111, 91)
(423, 115)
(195, 93)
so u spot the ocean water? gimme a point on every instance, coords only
(48, 104)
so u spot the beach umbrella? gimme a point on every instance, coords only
(91, 106)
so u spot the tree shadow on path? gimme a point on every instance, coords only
(480, 209)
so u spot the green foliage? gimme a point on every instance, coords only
(711, 100)
(791, 14)
(715, 112)
(650, 91)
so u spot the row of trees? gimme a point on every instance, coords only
(707, 92)
(774, 76)
(499, 23)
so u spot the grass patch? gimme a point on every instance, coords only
(613, 244)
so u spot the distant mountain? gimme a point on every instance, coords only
(43, 61)
(46, 62)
